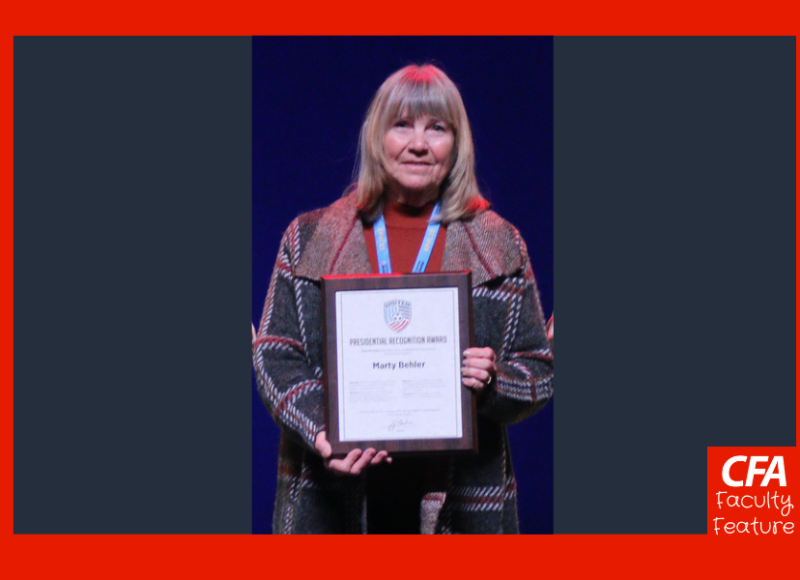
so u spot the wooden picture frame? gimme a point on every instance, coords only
(393, 349)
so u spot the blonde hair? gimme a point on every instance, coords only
(417, 90)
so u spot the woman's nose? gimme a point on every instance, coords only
(418, 142)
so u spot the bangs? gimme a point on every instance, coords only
(415, 98)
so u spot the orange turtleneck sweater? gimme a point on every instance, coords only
(405, 230)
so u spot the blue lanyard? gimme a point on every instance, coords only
(382, 243)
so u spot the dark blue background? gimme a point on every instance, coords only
(309, 99)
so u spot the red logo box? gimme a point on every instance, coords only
(750, 492)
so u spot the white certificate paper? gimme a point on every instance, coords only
(399, 364)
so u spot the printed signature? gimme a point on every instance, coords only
(398, 424)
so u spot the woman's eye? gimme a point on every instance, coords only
(439, 127)
(401, 123)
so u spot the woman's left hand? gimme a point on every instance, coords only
(478, 370)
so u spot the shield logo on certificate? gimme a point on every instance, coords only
(397, 314)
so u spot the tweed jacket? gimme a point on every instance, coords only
(480, 494)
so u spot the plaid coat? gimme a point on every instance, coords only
(480, 496)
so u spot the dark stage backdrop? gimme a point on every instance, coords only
(309, 99)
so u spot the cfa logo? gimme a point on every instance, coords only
(776, 470)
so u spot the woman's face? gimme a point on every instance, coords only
(418, 154)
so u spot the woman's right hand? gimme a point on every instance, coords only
(354, 462)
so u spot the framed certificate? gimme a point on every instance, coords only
(393, 352)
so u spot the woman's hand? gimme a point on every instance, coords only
(478, 369)
(354, 463)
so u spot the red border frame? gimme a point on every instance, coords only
(123, 556)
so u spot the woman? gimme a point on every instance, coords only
(416, 167)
